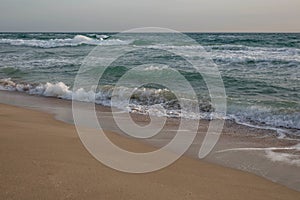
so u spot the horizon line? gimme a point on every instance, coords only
(149, 32)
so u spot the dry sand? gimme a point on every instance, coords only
(42, 158)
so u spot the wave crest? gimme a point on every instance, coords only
(68, 42)
(159, 102)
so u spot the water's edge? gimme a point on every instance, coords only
(240, 147)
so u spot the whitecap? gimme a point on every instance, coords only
(76, 41)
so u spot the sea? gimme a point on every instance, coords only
(260, 72)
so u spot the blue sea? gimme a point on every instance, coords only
(260, 71)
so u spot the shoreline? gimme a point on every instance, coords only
(226, 153)
(8, 85)
(45, 159)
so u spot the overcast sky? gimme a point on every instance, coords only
(121, 15)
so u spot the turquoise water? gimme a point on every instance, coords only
(261, 72)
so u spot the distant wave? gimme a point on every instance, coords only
(76, 41)
(239, 53)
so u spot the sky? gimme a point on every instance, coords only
(121, 15)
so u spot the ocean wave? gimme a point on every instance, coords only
(100, 37)
(68, 42)
(162, 102)
(238, 53)
(257, 56)
(285, 121)
(12, 71)
(155, 68)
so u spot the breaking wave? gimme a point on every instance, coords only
(158, 102)
(68, 42)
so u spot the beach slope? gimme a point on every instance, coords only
(42, 158)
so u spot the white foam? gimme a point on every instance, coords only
(287, 158)
(283, 157)
(76, 41)
(295, 147)
(56, 90)
(239, 53)
(102, 37)
(146, 101)
(157, 102)
(154, 68)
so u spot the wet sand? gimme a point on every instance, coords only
(239, 147)
(43, 158)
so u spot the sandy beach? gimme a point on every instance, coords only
(43, 158)
(149, 100)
